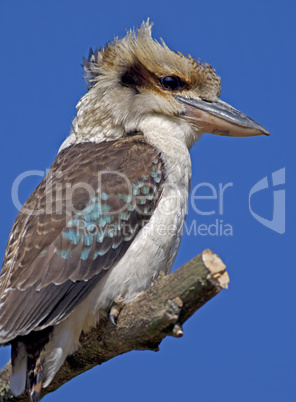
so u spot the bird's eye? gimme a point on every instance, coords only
(171, 83)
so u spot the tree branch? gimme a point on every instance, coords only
(143, 323)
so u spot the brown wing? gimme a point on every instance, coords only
(76, 225)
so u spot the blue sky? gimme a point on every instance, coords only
(240, 347)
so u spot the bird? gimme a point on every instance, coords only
(87, 239)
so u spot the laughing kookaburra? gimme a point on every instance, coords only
(89, 237)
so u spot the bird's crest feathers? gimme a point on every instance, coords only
(138, 48)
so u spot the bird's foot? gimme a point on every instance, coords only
(160, 275)
(115, 310)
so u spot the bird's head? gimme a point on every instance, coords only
(137, 78)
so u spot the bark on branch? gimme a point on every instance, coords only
(143, 323)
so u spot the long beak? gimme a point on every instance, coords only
(217, 117)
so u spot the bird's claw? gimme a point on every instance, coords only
(114, 312)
